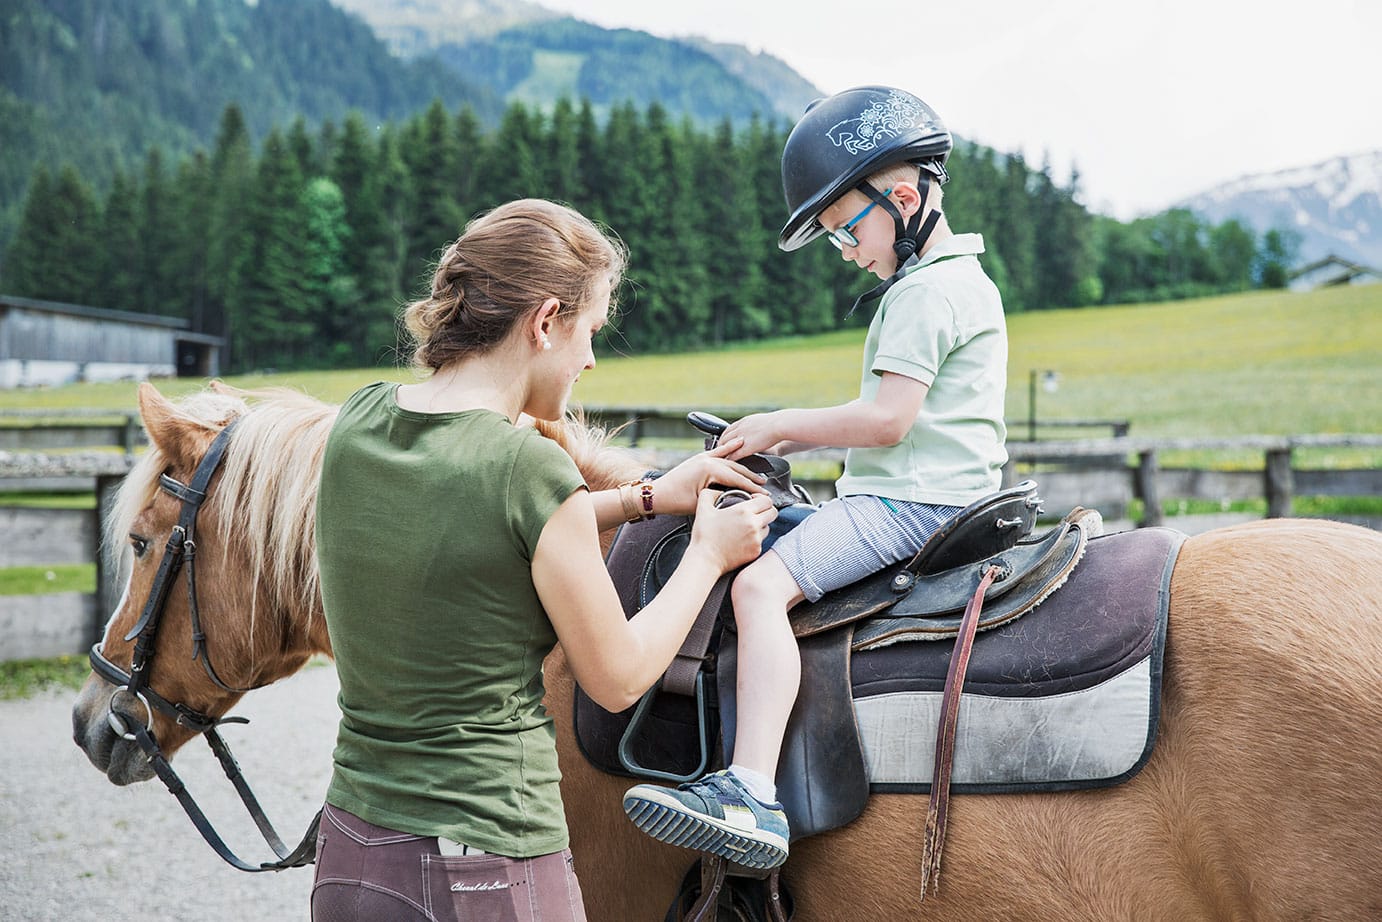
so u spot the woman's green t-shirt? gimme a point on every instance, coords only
(426, 526)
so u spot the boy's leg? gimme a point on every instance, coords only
(769, 671)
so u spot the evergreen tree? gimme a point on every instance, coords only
(470, 151)
(385, 277)
(1014, 235)
(158, 233)
(121, 255)
(190, 256)
(277, 316)
(509, 168)
(26, 261)
(1232, 250)
(563, 175)
(329, 292)
(52, 257)
(431, 156)
(229, 240)
(1277, 255)
(300, 143)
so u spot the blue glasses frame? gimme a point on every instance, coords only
(843, 236)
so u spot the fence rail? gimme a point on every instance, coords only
(1102, 473)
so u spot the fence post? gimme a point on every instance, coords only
(129, 437)
(107, 558)
(1280, 482)
(1145, 488)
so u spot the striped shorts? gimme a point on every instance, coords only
(853, 537)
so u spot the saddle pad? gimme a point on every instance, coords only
(1065, 697)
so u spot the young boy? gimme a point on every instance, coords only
(925, 436)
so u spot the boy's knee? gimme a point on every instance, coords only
(764, 584)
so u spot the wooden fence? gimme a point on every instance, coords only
(1106, 474)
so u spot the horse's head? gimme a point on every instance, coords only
(246, 584)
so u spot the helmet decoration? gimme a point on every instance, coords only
(845, 138)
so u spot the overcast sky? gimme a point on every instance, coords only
(1153, 101)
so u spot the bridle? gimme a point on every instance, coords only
(179, 553)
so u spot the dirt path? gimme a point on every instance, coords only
(75, 847)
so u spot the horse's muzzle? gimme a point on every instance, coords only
(121, 760)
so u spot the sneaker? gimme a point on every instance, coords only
(716, 814)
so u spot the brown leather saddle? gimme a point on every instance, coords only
(673, 734)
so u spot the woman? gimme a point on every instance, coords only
(456, 548)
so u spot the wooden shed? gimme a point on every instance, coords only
(46, 342)
(1333, 270)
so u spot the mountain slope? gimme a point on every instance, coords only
(540, 61)
(789, 91)
(96, 83)
(1335, 206)
(416, 27)
(528, 53)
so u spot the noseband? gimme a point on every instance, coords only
(179, 552)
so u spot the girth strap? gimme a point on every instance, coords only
(939, 806)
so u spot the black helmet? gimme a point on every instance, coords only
(844, 138)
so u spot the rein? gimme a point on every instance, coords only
(179, 552)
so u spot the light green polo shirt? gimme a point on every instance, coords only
(942, 324)
(426, 526)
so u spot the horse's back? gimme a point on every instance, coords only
(1272, 728)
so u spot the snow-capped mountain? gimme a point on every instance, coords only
(1335, 206)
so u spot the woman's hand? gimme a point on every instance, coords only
(677, 491)
(758, 432)
(732, 535)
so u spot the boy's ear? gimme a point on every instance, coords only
(908, 198)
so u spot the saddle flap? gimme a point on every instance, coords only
(1032, 571)
(983, 528)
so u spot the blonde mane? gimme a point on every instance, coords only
(267, 486)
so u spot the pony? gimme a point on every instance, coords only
(1261, 801)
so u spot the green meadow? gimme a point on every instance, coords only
(1271, 363)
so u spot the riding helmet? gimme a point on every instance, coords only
(844, 138)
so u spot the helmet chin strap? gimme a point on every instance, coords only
(910, 239)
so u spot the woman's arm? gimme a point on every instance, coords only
(616, 660)
(676, 492)
(858, 424)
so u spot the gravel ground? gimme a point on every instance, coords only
(75, 847)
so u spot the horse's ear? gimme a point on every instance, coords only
(181, 438)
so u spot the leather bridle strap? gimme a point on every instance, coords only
(180, 542)
(180, 550)
(939, 806)
(303, 854)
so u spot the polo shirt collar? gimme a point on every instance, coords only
(955, 245)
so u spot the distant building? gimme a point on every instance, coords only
(1332, 270)
(44, 342)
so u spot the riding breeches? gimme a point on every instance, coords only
(367, 873)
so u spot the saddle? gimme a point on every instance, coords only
(879, 709)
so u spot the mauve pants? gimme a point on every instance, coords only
(367, 873)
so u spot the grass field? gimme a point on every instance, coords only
(1274, 363)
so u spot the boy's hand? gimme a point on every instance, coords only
(676, 492)
(759, 432)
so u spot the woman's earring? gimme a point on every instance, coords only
(546, 343)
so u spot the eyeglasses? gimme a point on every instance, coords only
(843, 236)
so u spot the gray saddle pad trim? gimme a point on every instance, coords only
(1076, 738)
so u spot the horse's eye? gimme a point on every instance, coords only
(140, 545)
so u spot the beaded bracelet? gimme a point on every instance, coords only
(646, 490)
